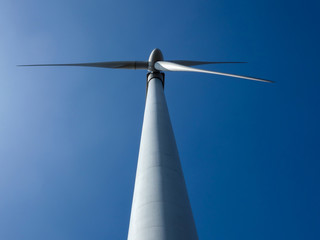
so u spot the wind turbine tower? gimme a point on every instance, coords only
(160, 207)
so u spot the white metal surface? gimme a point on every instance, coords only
(171, 66)
(160, 207)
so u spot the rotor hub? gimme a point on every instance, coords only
(156, 55)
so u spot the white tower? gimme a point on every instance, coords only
(160, 207)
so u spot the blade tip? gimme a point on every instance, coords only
(268, 81)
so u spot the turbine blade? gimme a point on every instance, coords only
(116, 64)
(170, 66)
(194, 63)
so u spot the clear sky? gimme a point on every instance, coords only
(69, 137)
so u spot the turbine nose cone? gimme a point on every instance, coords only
(156, 55)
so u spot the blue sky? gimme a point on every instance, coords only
(69, 137)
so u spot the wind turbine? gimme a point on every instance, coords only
(160, 208)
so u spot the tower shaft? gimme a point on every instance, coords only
(160, 208)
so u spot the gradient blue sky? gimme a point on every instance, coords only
(69, 137)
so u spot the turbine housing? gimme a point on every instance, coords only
(156, 55)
